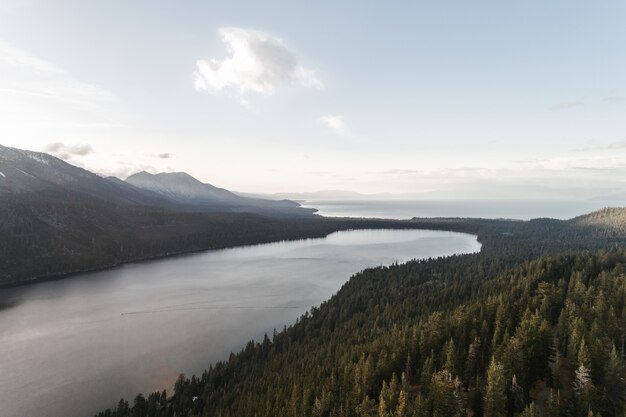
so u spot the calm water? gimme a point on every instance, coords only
(406, 209)
(75, 346)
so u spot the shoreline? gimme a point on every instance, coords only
(385, 224)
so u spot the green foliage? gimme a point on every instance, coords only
(491, 333)
(495, 397)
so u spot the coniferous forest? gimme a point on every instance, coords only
(533, 325)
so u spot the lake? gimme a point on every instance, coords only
(490, 209)
(74, 346)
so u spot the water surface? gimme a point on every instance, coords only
(489, 209)
(75, 346)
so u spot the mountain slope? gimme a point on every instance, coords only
(181, 188)
(23, 172)
(39, 174)
(610, 218)
(56, 218)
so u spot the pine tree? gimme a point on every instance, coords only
(123, 409)
(294, 401)
(615, 385)
(383, 401)
(471, 363)
(450, 362)
(530, 411)
(583, 387)
(407, 368)
(402, 410)
(427, 372)
(442, 396)
(367, 408)
(495, 396)
(383, 410)
(420, 408)
(517, 395)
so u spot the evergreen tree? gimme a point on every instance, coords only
(444, 402)
(450, 359)
(530, 411)
(495, 396)
(402, 410)
(614, 386)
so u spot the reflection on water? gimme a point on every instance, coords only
(75, 346)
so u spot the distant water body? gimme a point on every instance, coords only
(75, 346)
(406, 209)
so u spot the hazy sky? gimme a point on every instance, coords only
(454, 98)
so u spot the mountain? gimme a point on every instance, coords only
(26, 173)
(183, 189)
(323, 195)
(23, 172)
(182, 186)
(56, 218)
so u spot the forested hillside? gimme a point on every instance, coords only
(535, 324)
(56, 218)
(42, 237)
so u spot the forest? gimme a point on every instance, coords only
(533, 325)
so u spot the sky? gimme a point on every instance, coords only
(440, 99)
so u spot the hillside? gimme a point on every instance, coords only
(29, 175)
(610, 218)
(183, 189)
(517, 328)
(56, 218)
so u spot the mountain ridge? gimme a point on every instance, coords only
(25, 171)
(184, 189)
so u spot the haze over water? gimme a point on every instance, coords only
(490, 209)
(73, 347)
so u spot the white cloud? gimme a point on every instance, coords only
(63, 151)
(567, 105)
(614, 99)
(335, 123)
(22, 74)
(14, 57)
(613, 146)
(256, 62)
(40, 101)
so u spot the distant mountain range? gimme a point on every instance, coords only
(615, 197)
(23, 172)
(335, 195)
(183, 189)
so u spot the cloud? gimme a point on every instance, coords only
(63, 151)
(566, 105)
(334, 123)
(256, 62)
(15, 57)
(614, 99)
(606, 147)
(401, 172)
(26, 75)
(123, 170)
(41, 101)
(164, 155)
